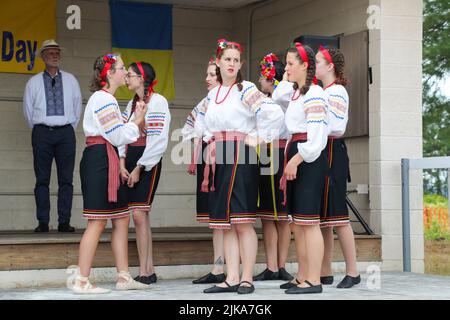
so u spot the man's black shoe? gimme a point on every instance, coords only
(41, 228)
(65, 228)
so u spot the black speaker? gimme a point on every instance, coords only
(314, 42)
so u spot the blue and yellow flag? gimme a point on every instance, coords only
(24, 25)
(143, 32)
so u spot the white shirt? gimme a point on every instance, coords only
(338, 103)
(246, 111)
(200, 129)
(102, 117)
(35, 105)
(308, 114)
(282, 93)
(157, 123)
(188, 130)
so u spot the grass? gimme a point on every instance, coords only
(437, 235)
(437, 257)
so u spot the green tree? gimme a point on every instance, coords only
(436, 46)
(436, 106)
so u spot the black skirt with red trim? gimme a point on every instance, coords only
(235, 197)
(270, 196)
(305, 193)
(201, 197)
(94, 186)
(141, 195)
(334, 206)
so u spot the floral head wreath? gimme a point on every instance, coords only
(109, 60)
(267, 66)
(212, 60)
(222, 44)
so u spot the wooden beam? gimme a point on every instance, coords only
(169, 249)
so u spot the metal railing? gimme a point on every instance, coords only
(407, 165)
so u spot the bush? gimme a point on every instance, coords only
(435, 200)
(437, 231)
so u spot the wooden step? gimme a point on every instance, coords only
(23, 250)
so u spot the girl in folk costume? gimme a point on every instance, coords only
(103, 196)
(305, 165)
(197, 167)
(140, 162)
(273, 214)
(330, 70)
(234, 109)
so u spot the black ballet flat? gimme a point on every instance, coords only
(244, 289)
(284, 275)
(308, 290)
(266, 275)
(289, 284)
(349, 282)
(146, 279)
(152, 278)
(328, 280)
(210, 278)
(217, 289)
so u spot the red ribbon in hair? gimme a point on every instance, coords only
(154, 82)
(241, 50)
(150, 90)
(150, 87)
(302, 52)
(222, 44)
(141, 70)
(326, 54)
(109, 59)
(304, 55)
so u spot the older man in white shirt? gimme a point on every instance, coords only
(52, 106)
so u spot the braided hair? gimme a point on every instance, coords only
(311, 71)
(339, 64)
(96, 81)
